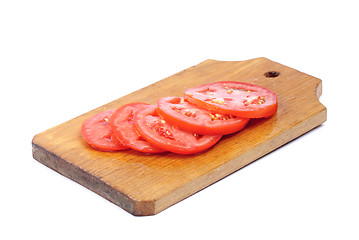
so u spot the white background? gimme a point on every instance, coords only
(59, 59)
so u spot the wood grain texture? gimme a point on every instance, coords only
(145, 184)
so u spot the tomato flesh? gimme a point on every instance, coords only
(190, 117)
(98, 133)
(169, 137)
(235, 98)
(122, 125)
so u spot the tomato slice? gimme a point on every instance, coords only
(98, 133)
(169, 137)
(190, 117)
(235, 98)
(122, 125)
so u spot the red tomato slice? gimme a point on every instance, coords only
(122, 125)
(235, 98)
(169, 137)
(98, 133)
(198, 120)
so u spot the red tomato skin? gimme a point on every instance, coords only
(122, 125)
(98, 133)
(198, 120)
(226, 105)
(155, 130)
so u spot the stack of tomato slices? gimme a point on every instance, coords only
(183, 125)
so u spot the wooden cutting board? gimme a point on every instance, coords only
(145, 184)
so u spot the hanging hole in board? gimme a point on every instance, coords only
(272, 74)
